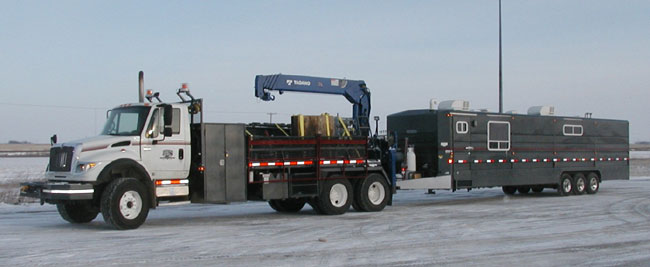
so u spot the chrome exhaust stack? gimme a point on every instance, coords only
(141, 87)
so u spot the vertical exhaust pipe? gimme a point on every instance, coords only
(141, 87)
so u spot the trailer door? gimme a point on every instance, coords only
(462, 147)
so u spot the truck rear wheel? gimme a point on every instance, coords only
(523, 189)
(334, 198)
(371, 194)
(593, 183)
(579, 184)
(290, 205)
(509, 190)
(125, 204)
(565, 187)
(77, 211)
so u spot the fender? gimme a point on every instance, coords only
(133, 169)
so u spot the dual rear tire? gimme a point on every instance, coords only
(336, 196)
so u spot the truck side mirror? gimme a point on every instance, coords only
(168, 118)
(168, 131)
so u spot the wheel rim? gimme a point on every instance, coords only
(566, 185)
(580, 185)
(376, 193)
(593, 184)
(130, 205)
(338, 195)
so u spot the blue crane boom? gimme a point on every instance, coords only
(354, 91)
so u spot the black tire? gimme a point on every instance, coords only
(119, 204)
(313, 203)
(579, 184)
(509, 190)
(593, 183)
(77, 211)
(290, 205)
(565, 186)
(372, 193)
(339, 188)
(537, 188)
(523, 189)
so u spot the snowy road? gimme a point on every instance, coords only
(482, 227)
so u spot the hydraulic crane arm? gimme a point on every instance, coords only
(354, 91)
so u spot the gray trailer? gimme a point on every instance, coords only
(466, 149)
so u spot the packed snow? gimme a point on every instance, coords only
(477, 228)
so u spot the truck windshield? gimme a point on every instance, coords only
(126, 121)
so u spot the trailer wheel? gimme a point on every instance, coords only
(371, 194)
(509, 190)
(579, 184)
(593, 183)
(523, 189)
(335, 197)
(565, 187)
(77, 211)
(125, 204)
(537, 188)
(290, 205)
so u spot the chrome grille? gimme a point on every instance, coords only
(61, 159)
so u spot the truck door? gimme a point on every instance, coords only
(166, 157)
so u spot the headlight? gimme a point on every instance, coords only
(85, 166)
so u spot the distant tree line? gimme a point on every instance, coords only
(12, 142)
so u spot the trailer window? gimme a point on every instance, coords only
(572, 130)
(498, 136)
(462, 127)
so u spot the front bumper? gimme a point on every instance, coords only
(53, 192)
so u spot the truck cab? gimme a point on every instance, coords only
(142, 154)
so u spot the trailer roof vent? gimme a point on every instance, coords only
(433, 103)
(542, 110)
(512, 112)
(462, 105)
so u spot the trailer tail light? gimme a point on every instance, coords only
(202, 168)
(450, 161)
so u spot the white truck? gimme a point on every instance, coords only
(148, 153)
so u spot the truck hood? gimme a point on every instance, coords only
(101, 142)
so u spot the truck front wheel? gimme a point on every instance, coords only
(371, 194)
(77, 211)
(125, 204)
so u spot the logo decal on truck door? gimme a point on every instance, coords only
(167, 154)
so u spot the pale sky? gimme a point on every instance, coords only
(64, 63)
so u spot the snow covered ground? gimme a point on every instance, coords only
(482, 227)
(477, 228)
